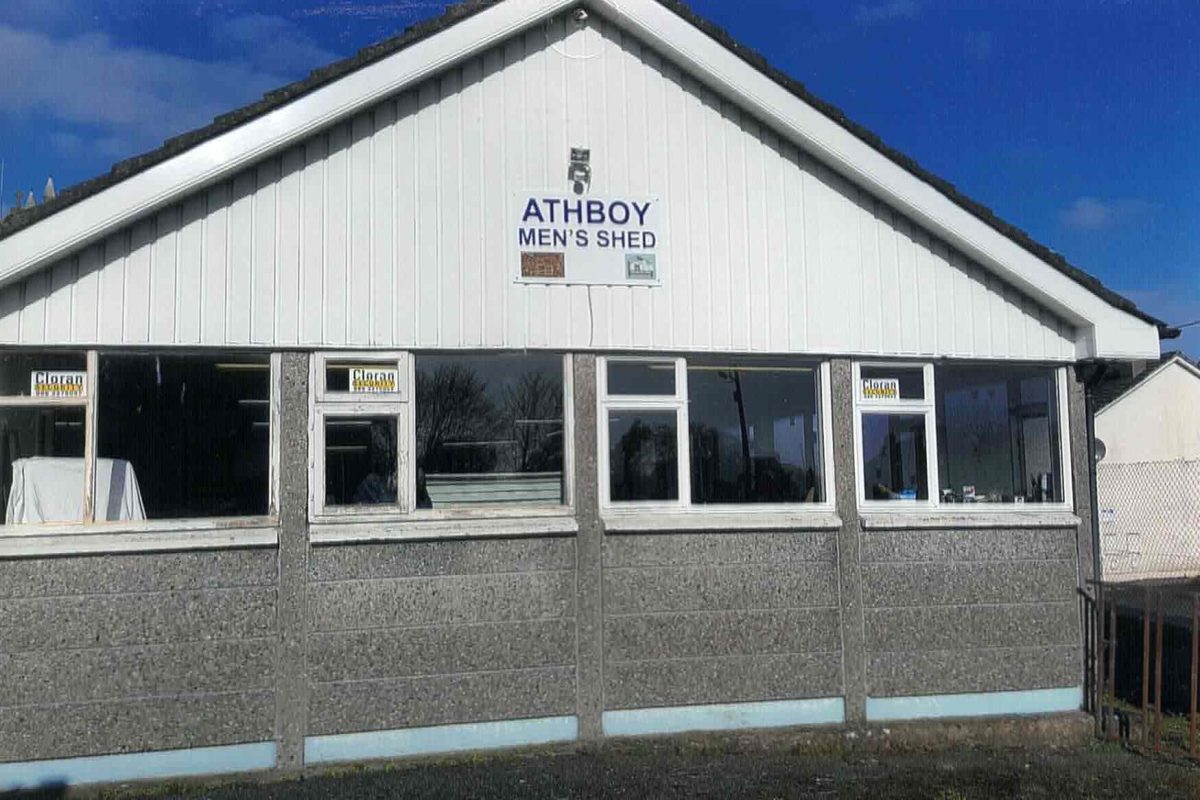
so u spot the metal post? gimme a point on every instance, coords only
(1158, 659)
(1146, 670)
(1195, 663)
(1113, 725)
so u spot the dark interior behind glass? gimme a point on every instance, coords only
(360, 461)
(196, 430)
(894, 463)
(998, 435)
(755, 433)
(643, 457)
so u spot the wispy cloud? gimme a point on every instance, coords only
(1093, 214)
(116, 99)
(889, 11)
(290, 51)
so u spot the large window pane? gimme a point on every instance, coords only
(489, 430)
(360, 461)
(41, 464)
(189, 435)
(894, 466)
(998, 435)
(643, 458)
(42, 374)
(755, 433)
(641, 378)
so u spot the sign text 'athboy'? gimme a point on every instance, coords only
(548, 221)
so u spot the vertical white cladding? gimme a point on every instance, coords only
(391, 229)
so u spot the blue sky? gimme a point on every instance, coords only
(1077, 120)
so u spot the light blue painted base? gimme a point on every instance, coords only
(138, 766)
(1036, 701)
(731, 716)
(439, 739)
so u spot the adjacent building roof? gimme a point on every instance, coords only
(22, 219)
(1120, 382)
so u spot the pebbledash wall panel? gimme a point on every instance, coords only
(395, 229)
(709, 618)
(965, 611)
(404, 635)
(127, 653)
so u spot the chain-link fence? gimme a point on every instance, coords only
(1149, 520)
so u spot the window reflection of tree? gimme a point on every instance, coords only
(463, 426)
(647, 461)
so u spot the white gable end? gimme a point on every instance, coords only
(393, 228)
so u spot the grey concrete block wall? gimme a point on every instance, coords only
(952, 611)
(123, 653)
(702, 618)
(410, 634)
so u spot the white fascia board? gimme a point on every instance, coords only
(221, 156)
(1102, 329)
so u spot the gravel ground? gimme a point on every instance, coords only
(701, 771)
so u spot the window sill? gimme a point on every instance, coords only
(902, 520)
(393, 530)
(148, 536)
(658, 521)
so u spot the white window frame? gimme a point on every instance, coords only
(337, 524)
(682, 507)
(91, 535)
(928, 407)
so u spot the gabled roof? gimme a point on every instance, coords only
(1114, 389)
(526, 12)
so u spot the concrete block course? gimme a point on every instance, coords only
(138, 573)
(926, 583)
(435, 558)
(723, 633)
(985, 670)
(440, 700)
(39, 732)
(402, 652)
(738, 679)
(705, 588)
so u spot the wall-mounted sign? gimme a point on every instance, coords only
(374, 380)
(57, 383)
(881, 389)
(588, 239)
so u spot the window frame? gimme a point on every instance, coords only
(678, 402)
(928, 407)
(328, 520)
(48, 533)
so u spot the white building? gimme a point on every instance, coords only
(556, 370)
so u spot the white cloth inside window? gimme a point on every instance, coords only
(51, 490)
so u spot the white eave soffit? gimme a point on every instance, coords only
(1103, 329)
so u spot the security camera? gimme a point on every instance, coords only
(580, 15)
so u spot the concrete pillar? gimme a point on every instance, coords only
(854, 654)
(588, 553)
(291, 687)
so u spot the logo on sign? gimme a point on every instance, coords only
(590, 239)
(881, 389)
(57, 383)
(372, 380)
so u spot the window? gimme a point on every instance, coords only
(998, 435)
(105, 438)
(489, 430)
(708, 433)
(962, 434)
(401, 433)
